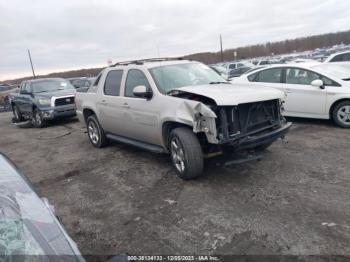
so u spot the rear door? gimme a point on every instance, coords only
(109, 103)
(302, 97)
(271, 77)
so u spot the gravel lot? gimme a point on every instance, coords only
(120, 199)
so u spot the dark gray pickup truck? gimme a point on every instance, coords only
(44, 99)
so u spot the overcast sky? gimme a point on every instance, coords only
(73, 34)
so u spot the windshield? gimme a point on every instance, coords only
(51, 85)
(171, 77)
(341, 72)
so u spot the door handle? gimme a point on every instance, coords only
(103, 102)
(125, 105)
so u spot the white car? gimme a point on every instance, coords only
(338, 57)
(234, 65)
(312, 91)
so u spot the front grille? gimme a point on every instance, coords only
(64, 101)
(247, 119)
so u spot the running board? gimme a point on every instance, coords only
(143, 145)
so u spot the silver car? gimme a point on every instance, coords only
(179, 107)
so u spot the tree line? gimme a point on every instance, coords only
(281, 47)
(276, 48)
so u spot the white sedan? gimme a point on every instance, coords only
(312, 91)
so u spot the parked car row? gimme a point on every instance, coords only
(232, 69)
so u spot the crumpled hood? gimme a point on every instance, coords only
(230, 95)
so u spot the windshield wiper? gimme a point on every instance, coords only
(217, 83)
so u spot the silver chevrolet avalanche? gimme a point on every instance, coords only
(179, 107)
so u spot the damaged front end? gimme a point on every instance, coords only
(250, 125)
(238, 127)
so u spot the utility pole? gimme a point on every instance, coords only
(31, 63)
(222, 55)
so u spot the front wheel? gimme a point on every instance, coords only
(186, 153)
(95, 132)
(37, 119)
(17, 114)
(341, 114)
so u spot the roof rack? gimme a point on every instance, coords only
(142, 61)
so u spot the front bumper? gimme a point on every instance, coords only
(259, 139)
(58, 112)
(253, 141)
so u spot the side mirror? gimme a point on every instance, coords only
(318, 83)
(142, 92)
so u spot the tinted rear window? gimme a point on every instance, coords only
(113, 81)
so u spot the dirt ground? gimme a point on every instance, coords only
(120, 199)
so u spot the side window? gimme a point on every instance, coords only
(232, 66)
(97, 80)
(135, 78)
(337, 58)
(299, 76)
(272, 75)
(22, 86)
(346, 57)
(252, 77)
(26, 87)
(112, 83)
(329, 82)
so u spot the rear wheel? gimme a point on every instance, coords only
(186, 153)
(341, 114)
(96, 134)
(37, 119)
(17, 114)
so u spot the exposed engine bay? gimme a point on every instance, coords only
(234, 123)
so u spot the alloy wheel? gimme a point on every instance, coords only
(93, 132)
(177, 155)
(343, 114)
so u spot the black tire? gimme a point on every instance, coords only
(191, 165)
(17, 114)
(263, 147)
(95, 132)
(341, 114)
(37, 119)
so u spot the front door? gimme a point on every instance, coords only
(140, 114)
(302, 97)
